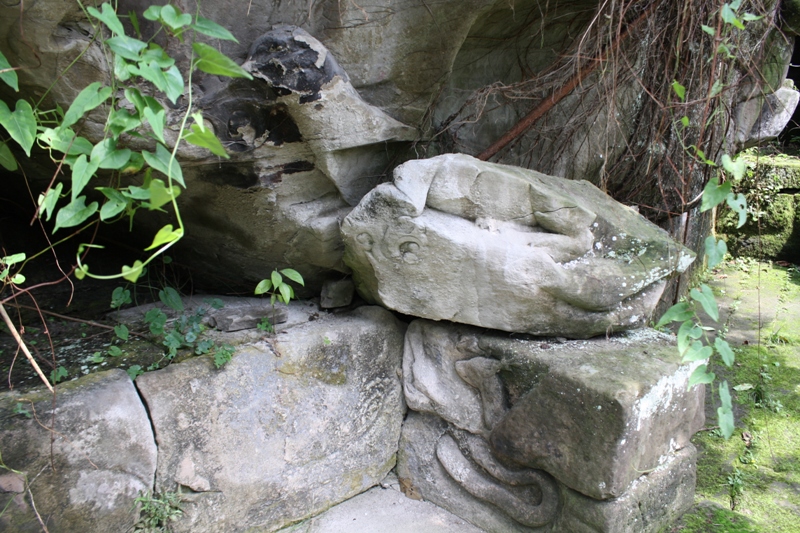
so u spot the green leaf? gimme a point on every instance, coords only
(120, 297)
(8, 74)
(725, 51)
(750, 17)
(82, 172)
(89, 98)
(212, 61)
(152, 13)
(152, 73)
(725, 411)
(286, 292)
(163, 162)
(115, 204)
(688, 331)
(20, 124)
(739, 204)
(737, 168)
(114, 351)
(81, 271)
(697, 352)
(155, 53)
(729, 17)
(122, 120)
(714, 194)
(277, 280)
(293, 275)
(7, 159)
(48, 200)
(132, 273)
(205, 138)
(126, 47)
(724, 350)
(263, 286)
(134, 371)
(74, 213)
(121, 68)
(160, 194)
(173, 83)
(165, 235)
(716, 88)
(715, 251)
(701, 375)
(108, 17)
(135, 23)
(744, 387)
(212, 29)
(157, 121)
(679, 312)
(13, 259)
(171, 299)
(173, 18)
(709, 30)
(106, 155)
(65, 140)
(685, 121)
(18, 279)
(707, 300)
(59, 374)
(121, 331)
(679, 89)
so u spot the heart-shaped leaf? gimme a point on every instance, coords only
(20, 124)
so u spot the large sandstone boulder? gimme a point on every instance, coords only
(286, 429)
(80, 466)
(518, 435)
(454, 238)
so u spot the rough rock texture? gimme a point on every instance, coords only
(103, 455)
(768, 116)
(454, 238)
(652, 501)
(286, 429)
(502, 415)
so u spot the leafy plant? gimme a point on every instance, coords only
(156, 511)
(277, 288)
(265, 325)
(735, 483)
(694, 342)
(142, 70)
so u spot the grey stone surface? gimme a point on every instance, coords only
(497, 411)
(286, 429)
(337, 293)
(455, 238)
(653, 501)
(387, 510)
(102, 455)
(763, 118)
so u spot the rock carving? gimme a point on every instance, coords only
(454, 238)
(339, 126)
(462, 386)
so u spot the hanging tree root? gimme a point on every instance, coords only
(548, 103)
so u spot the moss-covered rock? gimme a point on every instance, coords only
(772, 231)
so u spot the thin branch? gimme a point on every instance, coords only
(22, 345)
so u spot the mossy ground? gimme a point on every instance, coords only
(765, 448)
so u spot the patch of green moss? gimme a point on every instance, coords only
(713, 519)
(765, 448)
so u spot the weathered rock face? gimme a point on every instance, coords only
(285, 430)
(457, 239)
(515, 435)
(103, 456)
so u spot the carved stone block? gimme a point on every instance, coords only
(518, 434)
